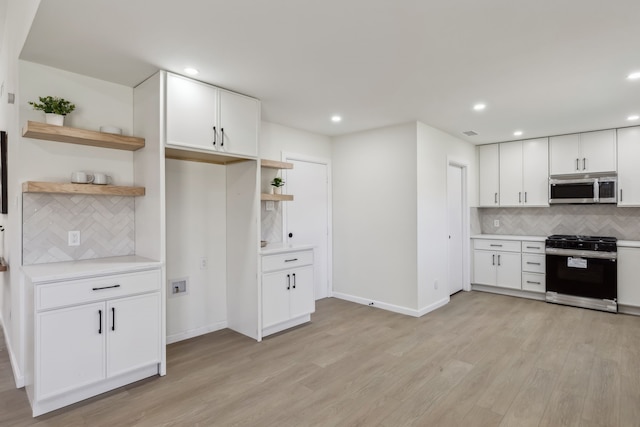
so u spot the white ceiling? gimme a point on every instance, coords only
(546, 67)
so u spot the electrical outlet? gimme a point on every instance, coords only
(270, 206)
(496, 223)
(178, 286)
(435, 284)
(203, 263)
(74, 238)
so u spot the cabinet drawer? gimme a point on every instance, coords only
(497, 245)
(533, 263)
(287, 260)
(533, 282)
(81, 291)
(533, 247)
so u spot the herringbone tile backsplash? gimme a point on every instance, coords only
(106, 226)
(590, 220)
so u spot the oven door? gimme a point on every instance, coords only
(582, 276)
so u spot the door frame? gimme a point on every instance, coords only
(287, 156)
(466, 242)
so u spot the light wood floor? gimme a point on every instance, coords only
(482, 360)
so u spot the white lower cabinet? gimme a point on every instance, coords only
(628, 279)
(287, 290)
(513, 264)
(497, 263)
(90, 336)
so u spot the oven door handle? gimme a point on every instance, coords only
(582, 254)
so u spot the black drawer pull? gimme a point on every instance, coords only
(113, 318)
(533, 247)
(291, 260)
(294, 280)
(533, 263)
(495, 246)
(534, 283)
(288, 281)
(106, 287)
(214, 136)
(100, 321)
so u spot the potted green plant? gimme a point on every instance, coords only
(54, 108)
(277, 183)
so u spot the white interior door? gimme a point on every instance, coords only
(455, 205)
(307, 217)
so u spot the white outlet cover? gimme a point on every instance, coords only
(74, 238)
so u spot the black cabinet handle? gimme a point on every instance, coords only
(493, 260)
(294, 280)
(577, 164)
(113, 318)
(495, 246)
(519, 196)
(584, 163)
(106, 287)
(291, 260)
(222, 140)
(495, 198)
(621, 194)
(533, 247)
(288, 281)
(534, 283)
(533, 263)
(498, 259)
(215, 135)
(525, 197)
(100, 321)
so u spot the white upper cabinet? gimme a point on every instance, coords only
(203, 117)
(590, 152)
(628, 170)
(489, 160)
(239, 123)
(524, 173)
(192, 113)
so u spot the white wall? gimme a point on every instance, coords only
(196, 229)
(435, 149)
(374, 216)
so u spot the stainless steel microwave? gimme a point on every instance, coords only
(585, 189)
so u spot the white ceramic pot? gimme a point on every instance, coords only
(54, 119)
(277, 190)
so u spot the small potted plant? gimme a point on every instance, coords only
(54, 108)
(277, 183)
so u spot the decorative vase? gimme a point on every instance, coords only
(277, 190)
(54, 119)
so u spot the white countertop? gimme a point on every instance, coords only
(629, 243)
(41, 273)
(509, 237)
(277, 248)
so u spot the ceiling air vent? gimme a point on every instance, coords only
(470, 133)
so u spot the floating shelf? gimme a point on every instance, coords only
(276, 197)
(71, 135)
(66, 188)
(273, 164)
(199, 156)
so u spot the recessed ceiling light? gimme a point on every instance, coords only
(517, 133)
(191, 71)
(336, 119)
(479, 107)
(634, 117)
(634, 76)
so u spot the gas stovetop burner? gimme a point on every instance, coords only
(585, 243)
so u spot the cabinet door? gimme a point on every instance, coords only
(133, 333)
(511, 174)
(484, 267)
(239, 123)
(70, 348)
(535, 172)
(192, 112)
(598, 151)
(509, 270)
(489, 175)
(302, 300)
(564, 154)
(628, 279)
(276, 289)
(628, 170)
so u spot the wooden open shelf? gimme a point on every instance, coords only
(276, 197)
(274, 164)
(67, 188)
(199, 156)
(71, 135)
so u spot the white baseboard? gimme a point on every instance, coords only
(629, 309)
(18, 376)
(391, 307)
(181, 336)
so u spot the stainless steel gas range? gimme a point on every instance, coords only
(582, 271)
